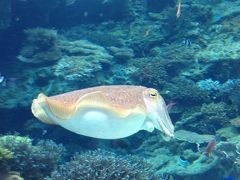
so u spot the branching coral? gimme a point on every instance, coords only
(103, 165)
(32, 161)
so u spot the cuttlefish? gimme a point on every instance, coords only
(106, 112)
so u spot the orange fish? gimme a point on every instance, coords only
(179, 9)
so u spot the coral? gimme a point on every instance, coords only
(216, 86)
(11, 175)
(122, 74)
(221, 48)
(40, 46)
(186, 92)
(121, 54)
(234, 96)
(207, 118)
(5, 155)
(224, 11)
(236, 121)
(229, 154)
(111, 36)
(150, 73)
(166, 157)
(81, 61)
(32, 161)
(196, 167)
(177, 57)
(101, 164)
(192, 137)
(216, 114)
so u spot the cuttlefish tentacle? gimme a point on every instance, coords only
(107, 112)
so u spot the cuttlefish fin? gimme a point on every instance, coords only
(97, 100)
(38, 111)
(59, 109)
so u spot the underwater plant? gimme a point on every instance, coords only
(102, 164)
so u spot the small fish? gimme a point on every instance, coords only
(146, 33)
(3, 80)
(187, 42)
(179, 9)
(44, 132)
(85, 14)
(183, 162)
(210, 147)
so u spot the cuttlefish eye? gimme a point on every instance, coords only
(153, 93)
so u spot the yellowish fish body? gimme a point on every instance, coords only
(106, 112)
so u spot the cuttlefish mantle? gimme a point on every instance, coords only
(106, 112)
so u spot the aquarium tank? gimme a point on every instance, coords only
(120, 89)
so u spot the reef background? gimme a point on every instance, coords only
(55, 46)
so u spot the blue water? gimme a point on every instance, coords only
(187, 51)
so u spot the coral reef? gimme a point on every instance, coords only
(11, 175)
(5, 155)
(192, 60)
(32, 161)
(103, 165)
